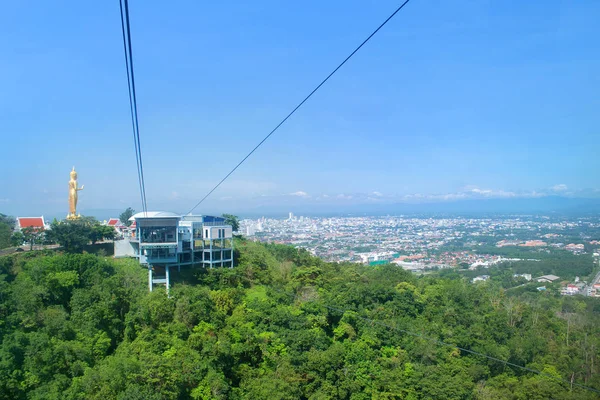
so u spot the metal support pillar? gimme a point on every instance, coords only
(167, 279)
(150, 277)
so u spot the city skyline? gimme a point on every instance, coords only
(467, 101)
(557, 198)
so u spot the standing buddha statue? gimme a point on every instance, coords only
(73, 189)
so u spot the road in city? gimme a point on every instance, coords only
(593, 282)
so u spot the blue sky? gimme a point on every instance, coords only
(451, 100)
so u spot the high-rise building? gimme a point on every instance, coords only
(291, 218)
(250, 231)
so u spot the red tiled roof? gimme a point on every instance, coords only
(35, 222)
(113, 222)
(132, 226)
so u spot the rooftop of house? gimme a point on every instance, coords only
(549, 277)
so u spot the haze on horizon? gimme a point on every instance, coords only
(449, 102)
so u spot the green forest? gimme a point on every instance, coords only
(283, 325)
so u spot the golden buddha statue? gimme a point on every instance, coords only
(73, 189)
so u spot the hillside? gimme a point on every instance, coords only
(282, 325)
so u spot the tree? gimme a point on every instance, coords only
(125, 215)
(72, 235)
(7, 219)
(100, 232)
(32, 235)
(6, 226)
(17, 238)
(5, 236)
(82, 326)
(232, 220)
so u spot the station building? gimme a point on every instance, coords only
(163, 240)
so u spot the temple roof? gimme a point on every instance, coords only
(113, 222)
(35, 222)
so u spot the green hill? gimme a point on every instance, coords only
(282, 325)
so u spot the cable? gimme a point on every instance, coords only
(302, 102)
(137, 126)
(137, 158)
(125, 28)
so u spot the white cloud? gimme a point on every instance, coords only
(561, 187)
(377, 194)
(300, 193)
(452, 196)
(344, 196)
(5, 200)
(436, 197)
(481, 191)
(175, 196)
(491, 193)
(535, 194)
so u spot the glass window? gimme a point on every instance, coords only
(160, 253)
(158, 234)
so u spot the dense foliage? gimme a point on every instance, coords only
(6, 227)
(74, 235)
(281, 325)
(543, 261)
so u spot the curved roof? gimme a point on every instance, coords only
(30, 222)
(154, 214)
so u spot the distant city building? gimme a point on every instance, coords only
(534, 243)
(161, 240)
(526, 276)
(575, 247)
(547, 278)
(250, 230)
(368, 258)
(435, 242)
(551, 236)
(481, 278)
(504, 243)
(291, 218)
(569, 290)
